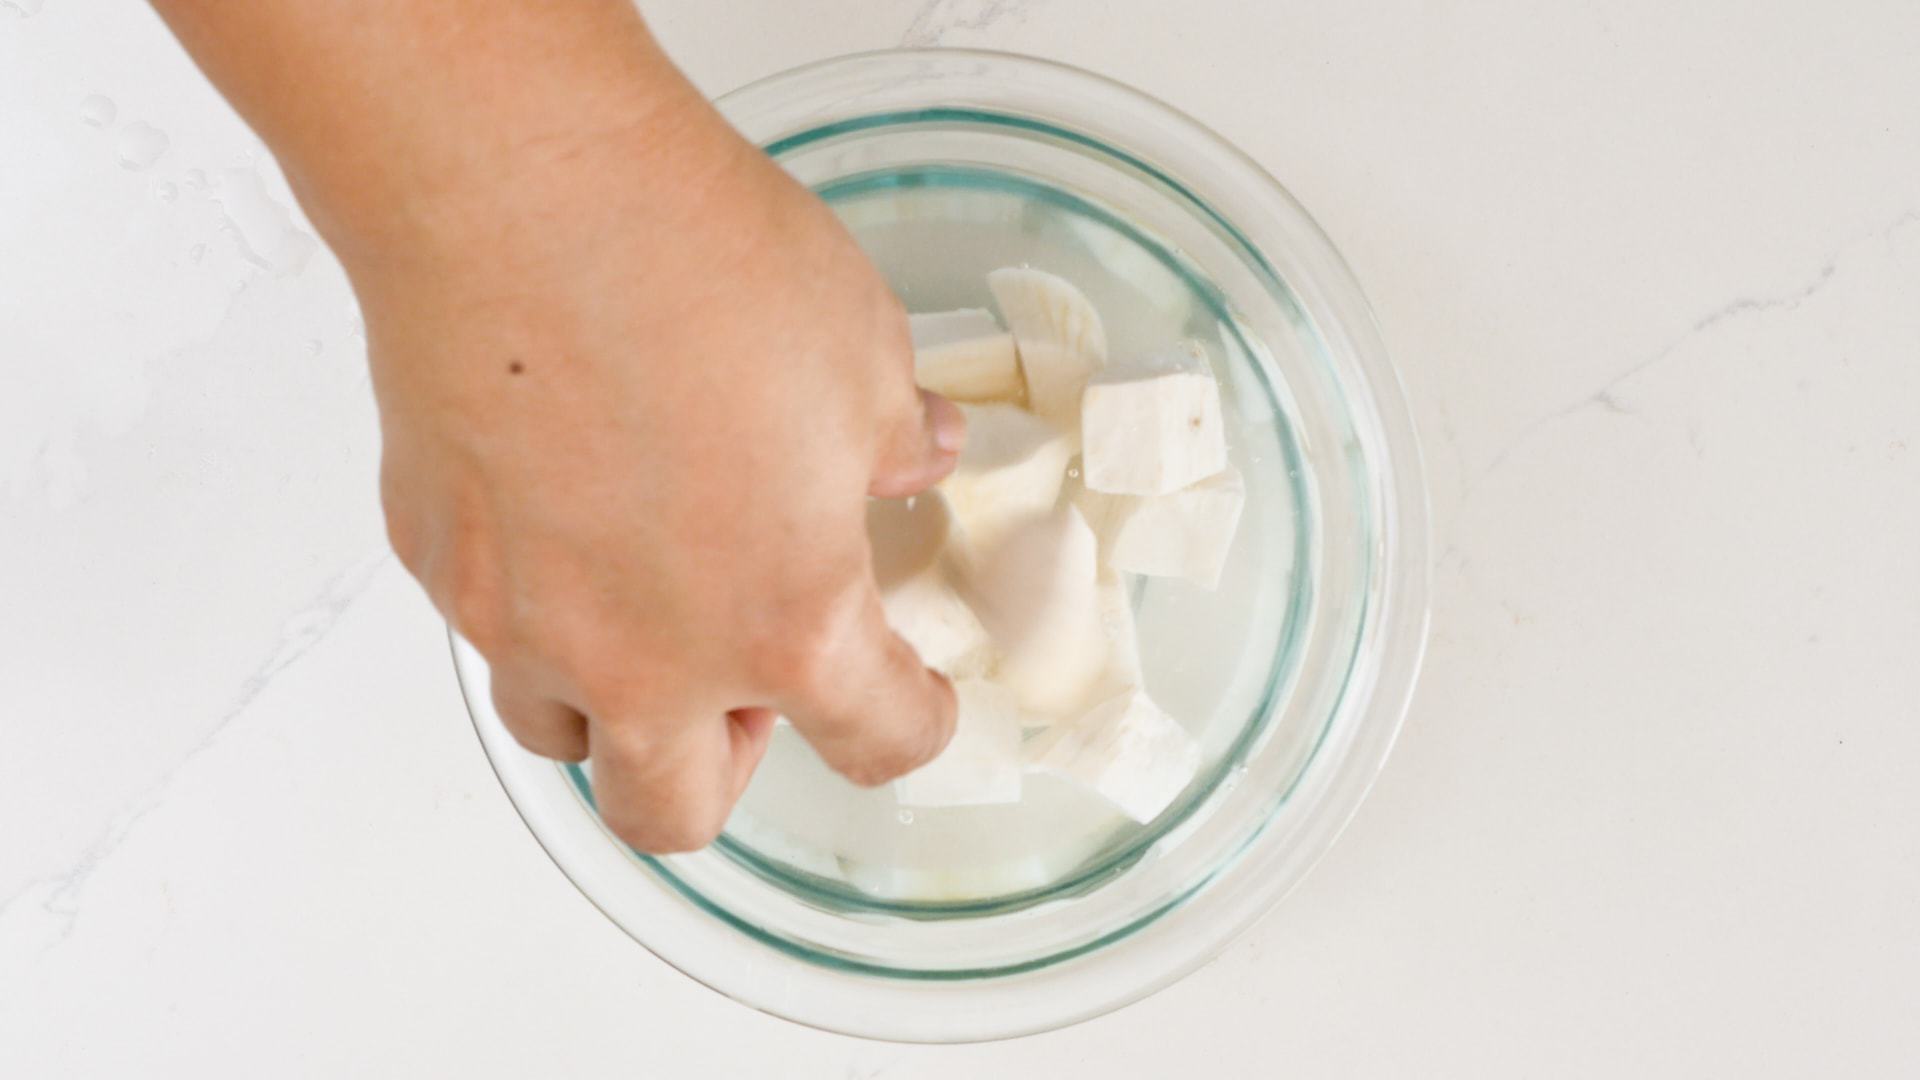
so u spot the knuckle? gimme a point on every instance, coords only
(404, 538)
(606, 689)
(476, 614)
(553, 735)
(573, 750)
(465, 584)
(603, 664)
(534, 741)
(405, 534)
(505, 701)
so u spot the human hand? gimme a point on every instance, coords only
(635, 385)
(630, 431)
(629, 439)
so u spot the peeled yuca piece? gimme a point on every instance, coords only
(1059, 336)
(1102, 510)
(1154, 425)
(1011, 471)
(915, 543)
(1036, 589)
(1124, 749)
(982, 764)
(1123, 670)
(1184, 534)
(966, 356)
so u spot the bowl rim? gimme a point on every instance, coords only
(1391, 658)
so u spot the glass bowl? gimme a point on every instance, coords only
(1295, 673)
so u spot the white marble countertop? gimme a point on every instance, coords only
(1652, 276)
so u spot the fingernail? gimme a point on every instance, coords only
(947, 423)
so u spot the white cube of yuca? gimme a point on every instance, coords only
(1011, 471)
(1123, 669)
(1153, 426)
(1183, 534)
(1125, 749)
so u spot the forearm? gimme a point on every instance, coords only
(384, 113)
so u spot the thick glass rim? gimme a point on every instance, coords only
(1386, 649)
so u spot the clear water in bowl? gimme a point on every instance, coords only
(1211, 658)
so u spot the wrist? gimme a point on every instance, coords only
(461, 158)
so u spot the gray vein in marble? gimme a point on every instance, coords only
(938, 18)
(308, 627)
(1607, 396)
(1614, 405)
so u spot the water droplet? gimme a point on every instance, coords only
(197, 252)
(166, 192)
(905, 817)
(23, 8)
(313, 348)
(97, 110)
(262, 227)
(197, 179)
(140, 145)
(1073, 474)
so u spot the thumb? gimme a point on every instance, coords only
(922, 450)
(868, 705)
